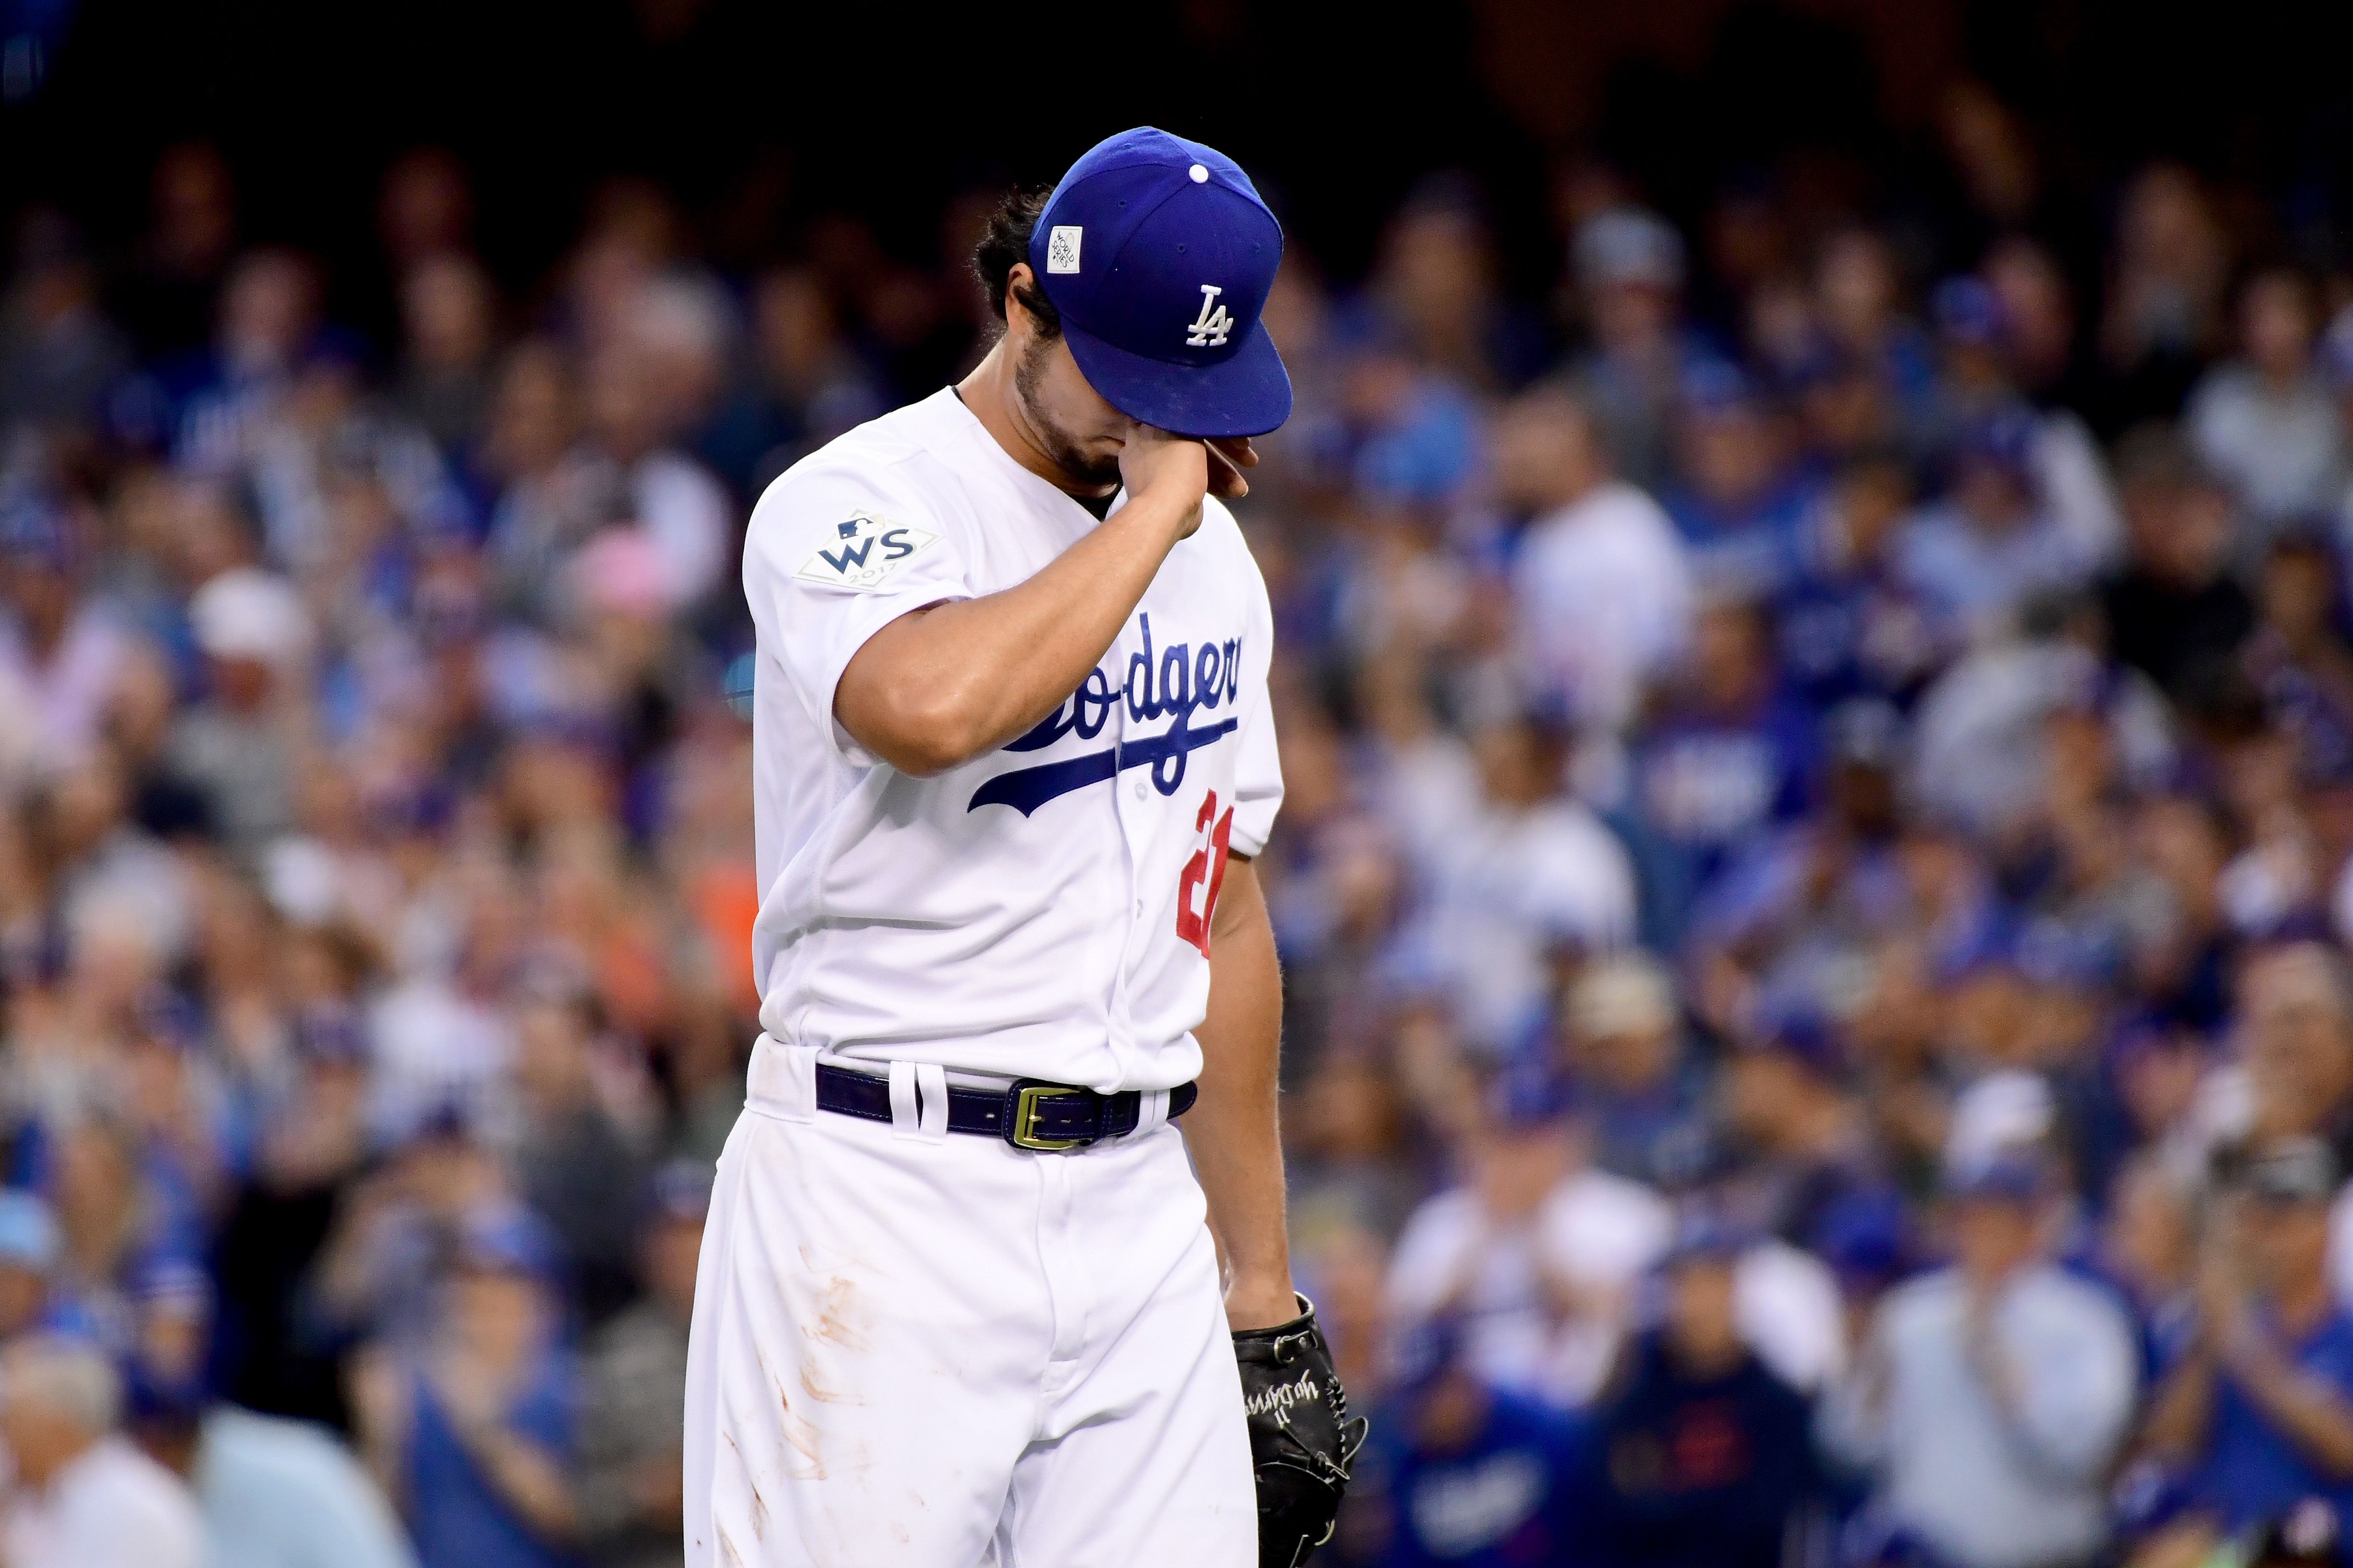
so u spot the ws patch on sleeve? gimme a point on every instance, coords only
(866, 554)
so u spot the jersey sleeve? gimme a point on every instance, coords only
(832, 557)
(1258, 769)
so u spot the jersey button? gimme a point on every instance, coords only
(1139, 789)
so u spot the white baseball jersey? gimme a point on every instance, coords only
(1042, 911)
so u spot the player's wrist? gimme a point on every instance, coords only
(1166, 512)
(1262, 1300)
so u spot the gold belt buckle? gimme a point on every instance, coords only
(1026, 1097)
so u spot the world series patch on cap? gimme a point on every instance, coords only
(1159, 254)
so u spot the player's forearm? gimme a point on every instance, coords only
(1233, 1129)
(934, 690)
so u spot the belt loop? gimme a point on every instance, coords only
(1151, 1110)
(931, 1083)
(784, 1078)
(905, 1122)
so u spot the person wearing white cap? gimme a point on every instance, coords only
(255, 635)
(85, 1497)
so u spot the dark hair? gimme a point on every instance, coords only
(1005, 244)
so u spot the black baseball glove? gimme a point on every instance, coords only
(1302, 1441)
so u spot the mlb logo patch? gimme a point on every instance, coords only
(1062, 248)
(865, 553)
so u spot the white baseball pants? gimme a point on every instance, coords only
(931, 1350)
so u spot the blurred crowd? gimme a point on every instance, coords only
(1814, 885)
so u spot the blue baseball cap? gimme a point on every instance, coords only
(499, 1239)
(29, 1232)
(1967, 310)
(2015, 1175)
(1158, 254)
(1525, 1097)
(1707, 1233)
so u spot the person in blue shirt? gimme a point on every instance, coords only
(1739, 505)
(1620, 1036)
(473, 1431)
(1726, 757)
(1704, 1454)
(1847, 625)
(1998, 538)
(2260, 1411)
(1471, 1477)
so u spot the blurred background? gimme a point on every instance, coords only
(1814, 680)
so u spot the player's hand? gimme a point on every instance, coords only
(1163, 470)
(1227, 458)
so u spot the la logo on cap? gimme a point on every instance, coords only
(1211, 327)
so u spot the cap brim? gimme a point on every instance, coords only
(1246, 394)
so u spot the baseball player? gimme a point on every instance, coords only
(995, 1268)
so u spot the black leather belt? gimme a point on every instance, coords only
(1028, 1114)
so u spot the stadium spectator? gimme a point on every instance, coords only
(85, 1497)
(1849, 625)
(1469, 1473)
(2260, 1410)
(2174, 611)
(1998, 540)
(2149, 1249)
(2163, 314)
(473, 1429)
(1622, 1041)
(61, 356)
(2266, 423)
(635, 1376)
(61, 654)
(1629, 267)
(1803, 1148)
(1532, 879)
(274, 1493)
(1538, 1255)
(275, 1355)
(2298, 660)
(806, 385)
(1738, 505)
(1604, 588)
(1992, 1394)
(236, 749)
(1704, 1454)
(448, 311)
(581, 1167)
(1726, 757)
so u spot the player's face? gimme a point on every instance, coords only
(1064, 416)
(1068, 419)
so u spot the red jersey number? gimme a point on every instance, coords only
(1206, 866)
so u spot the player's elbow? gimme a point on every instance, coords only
(920, 759)
(924, 731)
